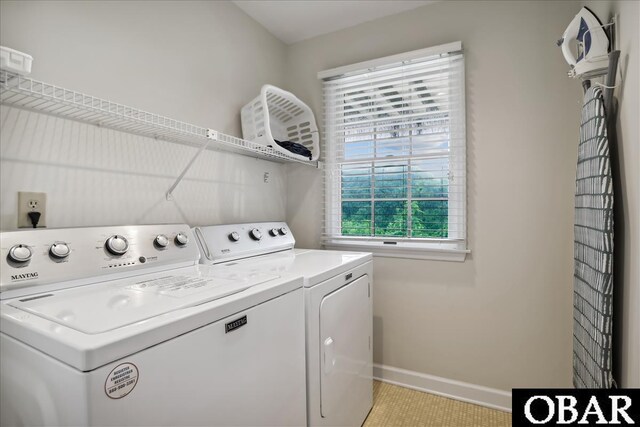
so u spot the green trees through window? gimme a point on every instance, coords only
(396, 199)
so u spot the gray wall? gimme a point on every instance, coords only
(625, 161)
(503, 318)
(193, 61)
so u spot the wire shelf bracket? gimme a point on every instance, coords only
(211, 135)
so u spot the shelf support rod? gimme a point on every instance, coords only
(211, 135)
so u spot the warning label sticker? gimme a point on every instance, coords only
(121, 380)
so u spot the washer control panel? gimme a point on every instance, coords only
(31, 258)
(221, 243)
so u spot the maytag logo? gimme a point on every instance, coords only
(232, 326)
(576, 407)
(24, 276)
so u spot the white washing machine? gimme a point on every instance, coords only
(338, 311)
(122, 326)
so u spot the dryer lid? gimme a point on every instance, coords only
(314, 265)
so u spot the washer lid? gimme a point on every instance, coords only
(95, 310)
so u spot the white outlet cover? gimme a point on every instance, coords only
(26, 200)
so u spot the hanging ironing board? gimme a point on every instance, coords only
(593, 250)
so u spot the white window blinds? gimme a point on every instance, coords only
(395, 151)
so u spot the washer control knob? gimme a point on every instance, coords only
(181, 239)
(255, 234)
(59, 250)
(273, 232)
(19, 253)
(117, 245)
(161, 241)
(234, 236)
(283, 231)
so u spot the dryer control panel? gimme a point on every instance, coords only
(32, 259)
(222, 243)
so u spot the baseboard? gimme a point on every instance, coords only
(471, 393)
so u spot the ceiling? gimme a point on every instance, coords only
(294, 21)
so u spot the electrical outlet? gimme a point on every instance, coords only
(31, 202)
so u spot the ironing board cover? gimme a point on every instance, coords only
(593, 250)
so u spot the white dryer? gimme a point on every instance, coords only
(338, 311)
(122, 326)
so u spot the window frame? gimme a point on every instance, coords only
(446, 249)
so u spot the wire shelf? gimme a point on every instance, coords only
(29, 94)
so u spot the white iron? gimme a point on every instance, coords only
(593, 45)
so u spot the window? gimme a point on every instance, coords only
(395, 163)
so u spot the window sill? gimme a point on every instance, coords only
(434, 252)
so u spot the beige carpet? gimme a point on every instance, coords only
(399, 406)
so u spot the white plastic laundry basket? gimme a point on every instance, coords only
(15, 61)
(279, 115)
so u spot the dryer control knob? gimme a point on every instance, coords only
(59, 250)
(19, 253)
(234, 236)
(161, 241)
(117, 245)
(283, 231)
(273, 232)
(181, 239)
(255, 234)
